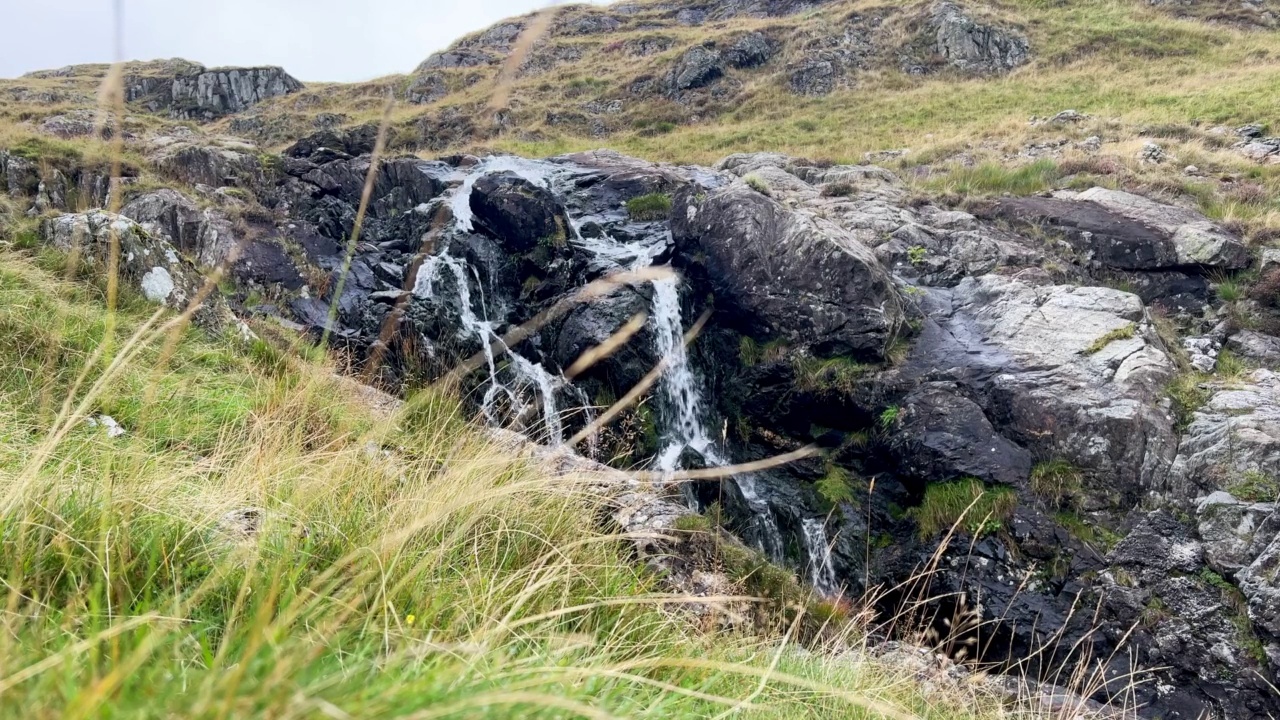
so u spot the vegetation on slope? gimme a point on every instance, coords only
(402, 567)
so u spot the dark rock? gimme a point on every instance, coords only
(750, 50)
(798, 277)
(697, 67)
(517, 212)
(265, 264)
(944, 435)
(813, 77)
(1129, 232)
(353, 141)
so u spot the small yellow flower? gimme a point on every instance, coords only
(409, 620)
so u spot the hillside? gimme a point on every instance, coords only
(810, 359)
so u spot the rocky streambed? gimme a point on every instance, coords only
(1001, 370)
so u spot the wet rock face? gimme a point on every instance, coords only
(194, 93)
(519, 213)
(1188, 616)
(799, 277)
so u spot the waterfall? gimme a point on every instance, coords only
(527, 375)
(821, 574)
(680, 402)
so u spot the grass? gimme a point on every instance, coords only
(757, 183)
(1057, 481)
(995, 179)
(838, 374)
(1089, 533)
(965, 504)
(1255, 486)
(1121, 333)
(654, 206)
(1188, 395)
(835, 486)
(446, 575)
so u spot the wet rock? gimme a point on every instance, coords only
(799, 277)
(517, 212)
(264, 263)
(1184, 624)
(944, 435)
(1066, 372)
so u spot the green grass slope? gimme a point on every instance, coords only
(403, 566)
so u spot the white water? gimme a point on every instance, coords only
(683, 402)
(822, 576)
(527, 376)
(681, 406)
(460, 203)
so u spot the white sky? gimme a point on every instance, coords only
(341, 40)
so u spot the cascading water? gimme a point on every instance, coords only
(681, 404)
(526, 375)
(821, 573)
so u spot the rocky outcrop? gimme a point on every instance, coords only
(1124, 231)
(517, 212)
(204, 234)
(749, 51)
(1067, 372)
(192, 92)
(916, 344)
(212, 161)
(969, 45)
(1235, 433)
(697, 67)
(1185, 615)
(796, 276)
(150, 266)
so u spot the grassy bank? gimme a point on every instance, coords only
(401, 567)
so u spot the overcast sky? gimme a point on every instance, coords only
(312, 39)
